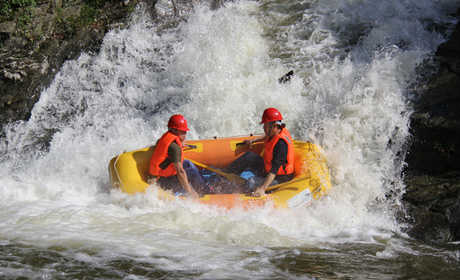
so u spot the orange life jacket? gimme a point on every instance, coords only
(287, 168)
(161, 153)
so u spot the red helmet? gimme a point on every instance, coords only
(178, 122)
(271, 115)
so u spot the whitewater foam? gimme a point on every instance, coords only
(220, 69)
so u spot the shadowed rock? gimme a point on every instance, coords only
(432, 197)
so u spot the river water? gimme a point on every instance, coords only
(355, 62)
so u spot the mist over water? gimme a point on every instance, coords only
(354, 61)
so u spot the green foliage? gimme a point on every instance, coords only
(65, 27)
(24, 19)
(66, 24)
(91, 10)
(96, 3)
(8, 8)
(88, 14)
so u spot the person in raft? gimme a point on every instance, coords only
(167, 162)
(277, 163)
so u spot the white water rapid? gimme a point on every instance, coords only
(354, 61)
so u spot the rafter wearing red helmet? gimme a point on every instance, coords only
(277, 162)
(166, 163)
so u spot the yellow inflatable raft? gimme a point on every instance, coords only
(128, 171)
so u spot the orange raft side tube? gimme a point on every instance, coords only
(128, 171)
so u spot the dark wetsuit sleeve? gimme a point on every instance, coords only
(174, 152)
(174, 155)
(279, 156)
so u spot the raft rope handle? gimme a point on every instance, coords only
(276, 188)
(190, 147)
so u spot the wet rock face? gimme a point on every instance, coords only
(432, 196)
(433, 204)
(36, 40)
